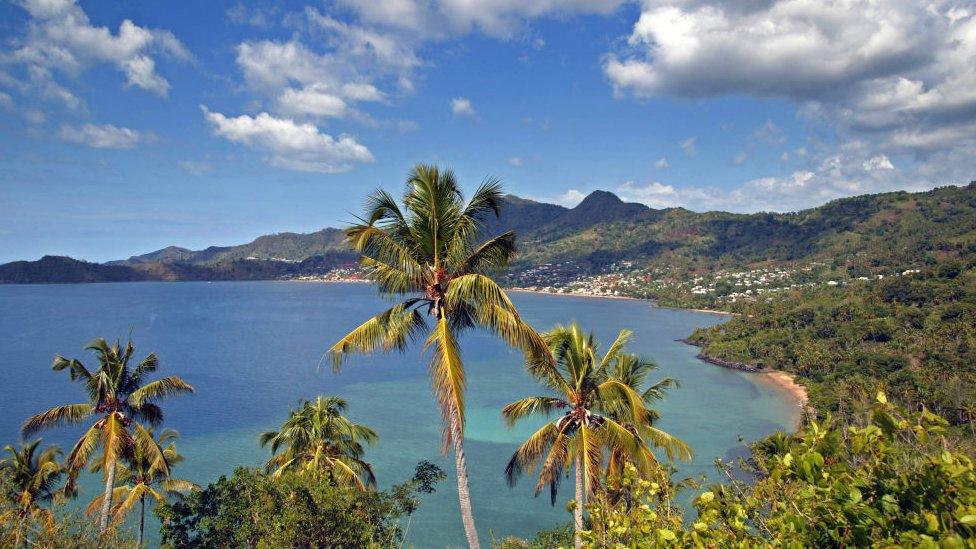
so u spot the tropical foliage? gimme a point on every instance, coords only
(605, 413)
(294, 510)
(913, 336)
(316, 437)
(146, 473)
(895, 482)
(117, 394)
(425, 250)
(31, 476)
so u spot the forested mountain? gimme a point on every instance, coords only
(861, 233)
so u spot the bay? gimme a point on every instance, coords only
(252, 349)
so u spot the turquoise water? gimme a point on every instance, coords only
(252, 349)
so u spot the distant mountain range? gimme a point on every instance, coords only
(867, 232)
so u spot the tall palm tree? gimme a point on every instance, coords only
(604, 409)
(427, 252)
(146, 473)
(33, 476)
(117, 395)
(317, 437)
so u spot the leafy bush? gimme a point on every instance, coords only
(253, 509)
(896, 482)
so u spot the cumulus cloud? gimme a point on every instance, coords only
(888, 77)
(61, 38)
(461, 106)
(348, 67)
(898, 69)
(290, 145)
(101, 137)
(662, 163)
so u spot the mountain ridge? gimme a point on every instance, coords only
(877, 229)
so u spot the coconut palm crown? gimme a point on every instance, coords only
(146, 473)
(33, 475)
(426, 253)
(604, 408)
(317, 437)
(118, 394)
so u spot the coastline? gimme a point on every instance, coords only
(574, 294)
(786, 382)
(778, 379)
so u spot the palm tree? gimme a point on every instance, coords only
(427, 252)
(30, 478)
(318, 438)
(603, 410)
(146, 472)
(33, 475)
(117, 395)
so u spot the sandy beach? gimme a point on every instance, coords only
(786, 382)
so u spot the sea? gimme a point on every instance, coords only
(253, 349)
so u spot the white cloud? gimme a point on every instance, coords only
(290, 145)
(302, 82)
(101, 137)
(571, 198)
(740, 158)
(690, 146)
(899, 73)
(896, 77)
(313, 100)
(61, 38)
(851, 170)
(662, 163)
(461, 106)
(516, 161)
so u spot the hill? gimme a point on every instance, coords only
(861, 234)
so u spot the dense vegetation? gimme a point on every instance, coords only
(895, 482)
(912, 335)
(294, 510)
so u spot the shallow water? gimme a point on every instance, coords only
(252, 349)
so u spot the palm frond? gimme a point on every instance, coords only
(531, 405)
(390, 330)
(59, 415)
(530, 452)
(161, 388)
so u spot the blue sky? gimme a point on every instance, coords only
(129, 126)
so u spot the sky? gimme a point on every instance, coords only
(129, 126)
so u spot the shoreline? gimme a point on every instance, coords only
(574, 294)
(787, 383)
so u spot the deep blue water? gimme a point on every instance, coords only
(252, 349)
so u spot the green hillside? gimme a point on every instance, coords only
(862, 234)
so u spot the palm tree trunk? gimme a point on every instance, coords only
(107, 499)
(142, 519)
(464, 496)
(578, 511)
